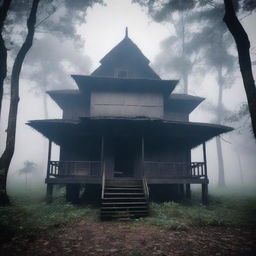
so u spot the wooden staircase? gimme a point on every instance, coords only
(124, 198)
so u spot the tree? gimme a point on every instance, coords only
(3, 51)
(6, 157)
(74, 11)
(243, 48)
(206, 42)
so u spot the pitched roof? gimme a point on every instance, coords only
(124, 49)
(125, 56)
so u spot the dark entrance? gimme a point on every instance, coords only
(124, 152)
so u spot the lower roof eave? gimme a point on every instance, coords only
(191, 134)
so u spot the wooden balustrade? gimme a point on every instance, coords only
(174, 169)
(75, 168)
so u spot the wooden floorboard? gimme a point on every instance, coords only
(150, 181)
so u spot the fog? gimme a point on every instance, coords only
(53, 58)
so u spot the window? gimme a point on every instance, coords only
(122, 73)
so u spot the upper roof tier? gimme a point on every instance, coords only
(91, 83)
(125, 60)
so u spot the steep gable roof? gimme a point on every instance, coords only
(127, 57)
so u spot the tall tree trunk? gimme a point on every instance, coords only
(221, 177)
(243, 48)
(240, 169)
(3, 51)
(6, 157)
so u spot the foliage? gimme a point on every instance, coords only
(29, 220)
(224, 210)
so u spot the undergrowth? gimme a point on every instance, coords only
(224, 210)
(29, 220)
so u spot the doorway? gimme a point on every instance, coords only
(124, 157)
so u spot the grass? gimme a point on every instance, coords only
(226, 208)
(25, 222)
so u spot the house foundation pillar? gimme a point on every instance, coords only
(188, 191)
(49, 192)
(205, 194)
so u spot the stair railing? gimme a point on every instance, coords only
(103, 181)
(145, 186)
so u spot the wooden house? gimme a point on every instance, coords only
(126, 136)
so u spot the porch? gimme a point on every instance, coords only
(155, 172)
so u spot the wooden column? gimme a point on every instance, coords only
(49, 187)
(102, 154)
(49, 190)
(49, 158)
(205, 193)
(205, 159)
(205, 185)
(188, 191)
(142, 155)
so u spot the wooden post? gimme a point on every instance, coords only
(204, 193)
(49, 191)
(142, 155)
(49, 158)
(102, 152)
(205, 160)
(188, 191)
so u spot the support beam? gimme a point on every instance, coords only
(142, 155)
(102, 152)
(204, 194)
(205, 159)
(49, 158)
(188, 191)
(49, 190)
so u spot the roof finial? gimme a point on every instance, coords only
(126, 32)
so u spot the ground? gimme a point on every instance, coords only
(227, 226)
(128, 238)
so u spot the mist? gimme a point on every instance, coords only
(54, 57)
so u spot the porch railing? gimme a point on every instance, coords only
(74, 168)
(174, 169)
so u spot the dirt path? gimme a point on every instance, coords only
(137, 239)
(131, 238)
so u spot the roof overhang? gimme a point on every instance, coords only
(93, 83)
(183, 102)
(189, 134)
(65, 98)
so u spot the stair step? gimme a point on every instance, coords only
(125, 212)
(124, 198)
(136, 189)
(123, 193)
(113, 215)
(124, 203)
(123, 207)
(123, 185)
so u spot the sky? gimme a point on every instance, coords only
(103, 29)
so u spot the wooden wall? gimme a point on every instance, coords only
(157, 150)
(127, 104)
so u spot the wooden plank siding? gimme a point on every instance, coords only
(129, 104)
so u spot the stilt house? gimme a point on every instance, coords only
(125, 136)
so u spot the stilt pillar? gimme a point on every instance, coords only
(49, 191)
(188, 191)
(205, 193)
